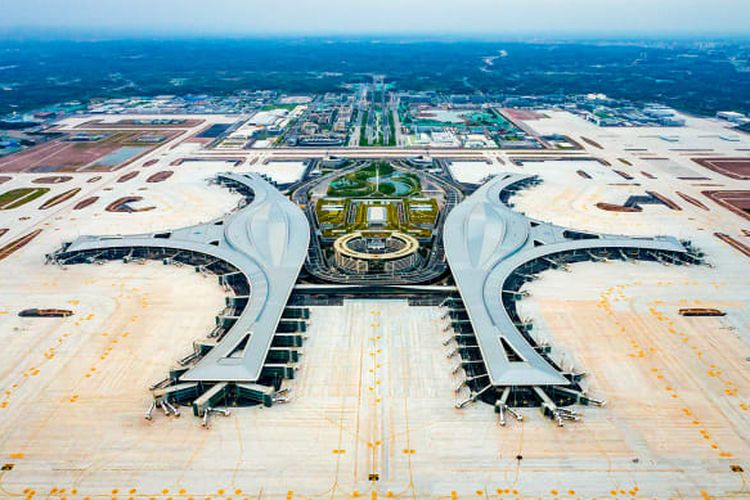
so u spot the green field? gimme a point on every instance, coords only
(332, 211)
(363, 129)
(21, 196)
(421, 211)
(271, 107)
(339, 216)
(378, 179)
(344, 209)
(392, 128)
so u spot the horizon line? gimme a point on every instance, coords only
(108, 34)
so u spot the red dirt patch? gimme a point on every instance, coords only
(54, 179)
(591, 142)
(85, 202)
(672, 205)
(60, 198)
(736, 168)
(692, 200)
(17, 244)
(5, 178)
(735, 201)
(522, 114)
(139, 124)
(160, 176)
(612, 207)
(734, 243)
(122, 205)
(128, 176)
(61, 155)
(624, 175)
(53, 157)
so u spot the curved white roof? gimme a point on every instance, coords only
(485, 242)
(267, 241)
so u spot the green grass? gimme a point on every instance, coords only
(21, 196)
(382, 119)
(327, 215)
(379, 167)
(417, 216)
(392, 127)
(288, 107)
(333, 226)
(357, 184)
(363, 130)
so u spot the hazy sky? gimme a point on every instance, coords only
(493, 17)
